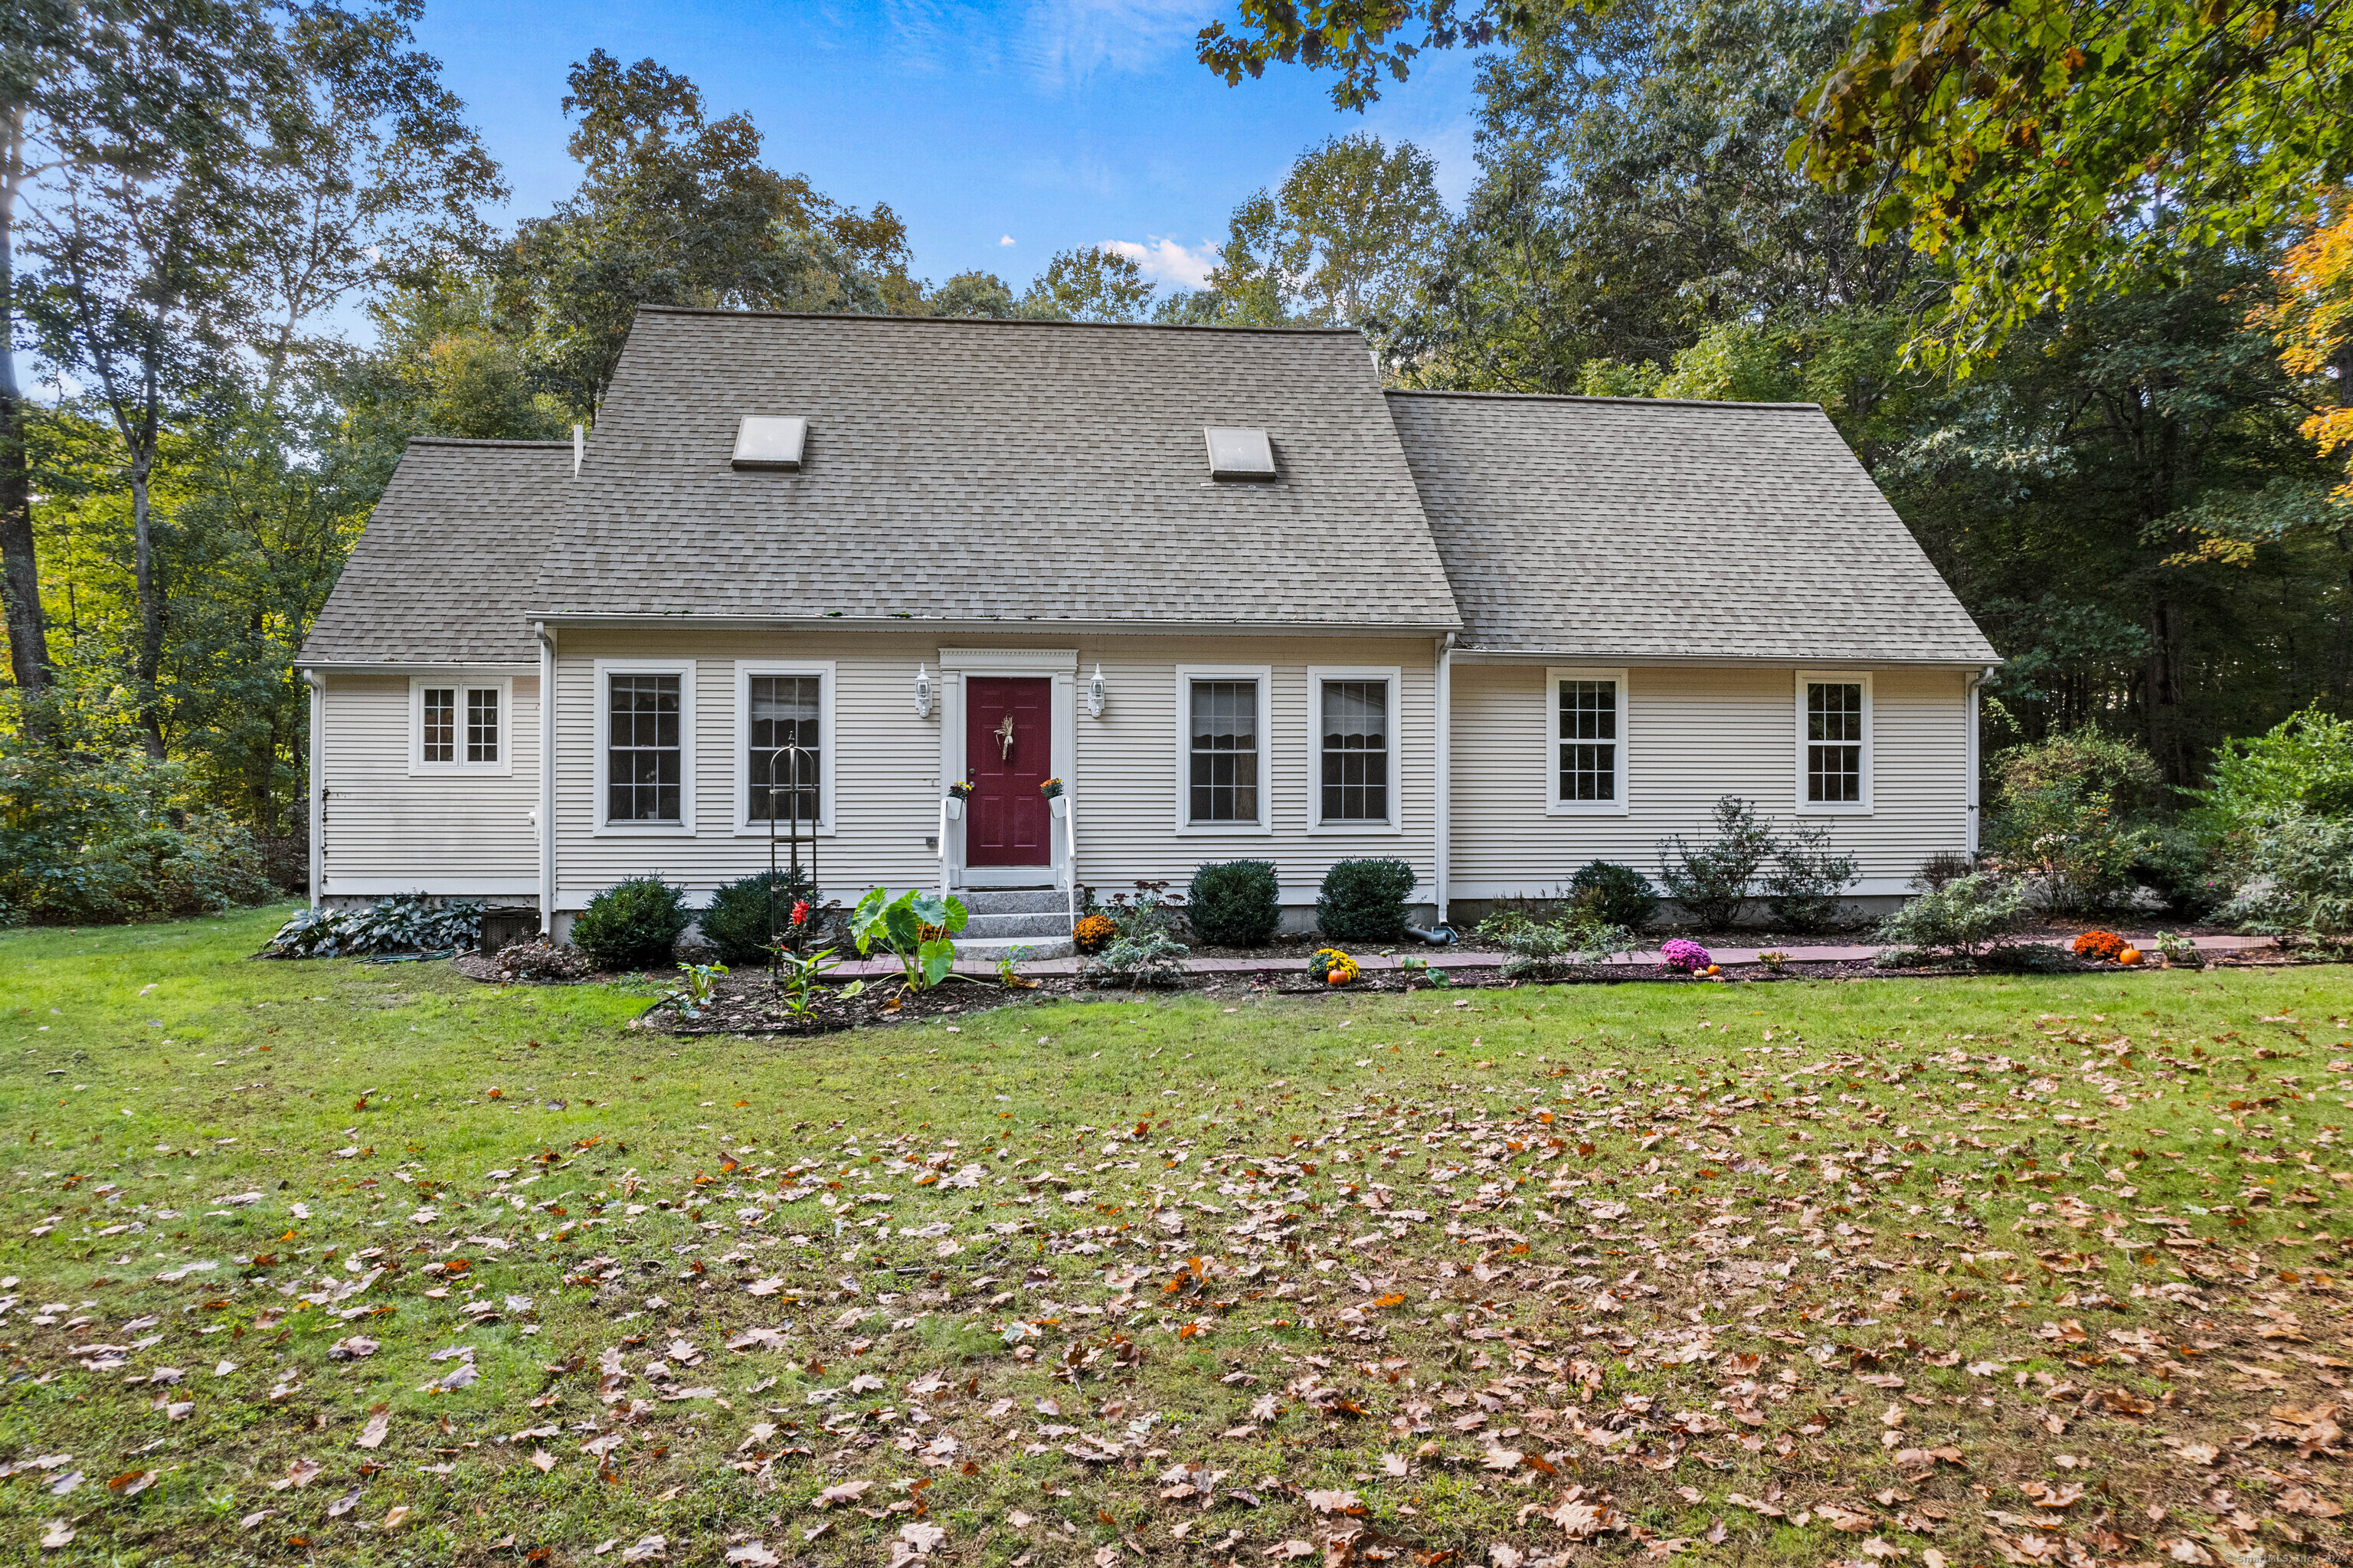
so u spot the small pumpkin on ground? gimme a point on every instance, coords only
(2129, 956)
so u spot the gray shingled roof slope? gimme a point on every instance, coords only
(1601, 526)
(443, 572)
(995, 470)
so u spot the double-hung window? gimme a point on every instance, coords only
(1833, 743)
(783, 742)
(458, 724)
(1587, 752)
(1353, 719)
(1221, 748)
(645, 745)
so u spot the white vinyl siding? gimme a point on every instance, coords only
(1694, 734)
(886, 764)
(391, 827)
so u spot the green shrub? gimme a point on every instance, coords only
(737, 922)
(1965, 919)
(632, 925)
(1713, 882)
(1806, 888)
(408, 922)
(2176, 863)
(1614, 894)
(2094, 762)
(2300, 878)
(2304, 763)
(87, 839)
(1145, 958)
(1364, 900)
(1554, 949)
(2067, 839)
(1236, 904)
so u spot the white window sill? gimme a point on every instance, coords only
(1831, 809)
(462, 771)
(642, 830)
(1353, 830)
(1223, 829)
(760, 830)
(1589, 808)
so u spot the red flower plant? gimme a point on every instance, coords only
(800, 912)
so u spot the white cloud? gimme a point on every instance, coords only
(1007, 240)
(1066, 41)
(1167, 261)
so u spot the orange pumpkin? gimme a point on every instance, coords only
(1337, 975)
(2129, 955)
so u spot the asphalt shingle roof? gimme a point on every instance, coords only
(1006, 471)
(442, 574)
(1603, 527)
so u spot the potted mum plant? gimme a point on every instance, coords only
(1056, 801)
(958, 793)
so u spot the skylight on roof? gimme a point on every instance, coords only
(771, 442)
(1239, 454)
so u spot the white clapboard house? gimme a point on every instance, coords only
(1242, 601)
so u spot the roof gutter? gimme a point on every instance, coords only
(1442, 858)
(1817, 660)
(1001, 627)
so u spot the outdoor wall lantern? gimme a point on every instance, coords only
(923, 693)
(1095, 695)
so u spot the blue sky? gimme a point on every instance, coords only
(1048, 122)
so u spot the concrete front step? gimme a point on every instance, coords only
(988, 950)
(1056, 924)
(1015, 900)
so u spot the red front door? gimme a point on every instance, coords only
(1008, 752)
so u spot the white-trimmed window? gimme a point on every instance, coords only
(1587, 744)
(1222, 713)
(461, 724)
(1351, 770)
(784, 747)
(1833, 742)
(645, 745)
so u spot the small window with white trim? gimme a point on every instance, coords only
(784, 744)
(645, 745)
(1833, 742)
(458, 724)
(1587, 742)
(1221, 737)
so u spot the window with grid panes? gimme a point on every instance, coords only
(1834, 741)
(482, 724)
(1224, 752)
(644, 764)
(785, 713)
(1589, 740)
(439, 741)
(1355, 751)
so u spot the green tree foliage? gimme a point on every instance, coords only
(1085, 283)
(1346, 239)
(677, 208)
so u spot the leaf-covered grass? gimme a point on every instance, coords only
(1535, 1272)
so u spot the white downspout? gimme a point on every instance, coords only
(1975, 807)
(1442, 852)
(317, 684)
(546, 778)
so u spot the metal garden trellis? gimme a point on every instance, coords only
(796, 752)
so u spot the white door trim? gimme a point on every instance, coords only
(1061, 667)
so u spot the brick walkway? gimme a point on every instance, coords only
(1448, 958)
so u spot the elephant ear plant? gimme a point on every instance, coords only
(917, 927)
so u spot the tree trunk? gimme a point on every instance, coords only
(149, 665)
(20, 574)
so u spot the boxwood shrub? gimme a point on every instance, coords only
(632, 925)
(1618, 894)
(1364, 900)
(1236, 903)
(737, 921)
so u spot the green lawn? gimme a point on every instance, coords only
(351, 1263)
